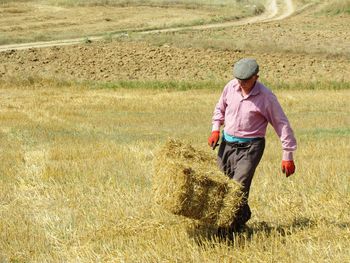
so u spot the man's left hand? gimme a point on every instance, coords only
(288, 167)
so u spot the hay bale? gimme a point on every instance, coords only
(188, 182)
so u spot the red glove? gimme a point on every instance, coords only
(213, 139)
(288, 167)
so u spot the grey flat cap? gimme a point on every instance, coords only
(245, 68)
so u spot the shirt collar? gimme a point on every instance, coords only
(255, 90)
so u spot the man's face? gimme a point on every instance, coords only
(247, 84)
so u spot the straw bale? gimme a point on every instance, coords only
(188, 182)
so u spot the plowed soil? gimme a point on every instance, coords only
(140, 61)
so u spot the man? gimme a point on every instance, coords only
(245, 108)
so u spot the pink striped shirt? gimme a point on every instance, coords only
(248, 117)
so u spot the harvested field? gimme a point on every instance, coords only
(82, 125)
(77, 173)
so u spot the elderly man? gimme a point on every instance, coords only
(245, 108)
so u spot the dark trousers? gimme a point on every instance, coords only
(239, 161)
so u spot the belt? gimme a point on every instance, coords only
(243, 144)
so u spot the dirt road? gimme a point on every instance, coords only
(272, 13)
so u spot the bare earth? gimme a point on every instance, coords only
(291, 47)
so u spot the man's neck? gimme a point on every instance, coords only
(245, 92)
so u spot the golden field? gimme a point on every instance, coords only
(76, 178)
(80, 127)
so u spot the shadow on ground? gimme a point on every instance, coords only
(203, 234)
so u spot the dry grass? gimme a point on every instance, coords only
(50, 20)
(76, 172)
(337, 7)
(76, 168)
(304, 34)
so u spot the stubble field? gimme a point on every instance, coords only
(80, 126)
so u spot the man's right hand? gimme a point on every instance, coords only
(213, 139)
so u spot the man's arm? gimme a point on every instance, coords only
(218, 120)
(280, 123)
(219, 112)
